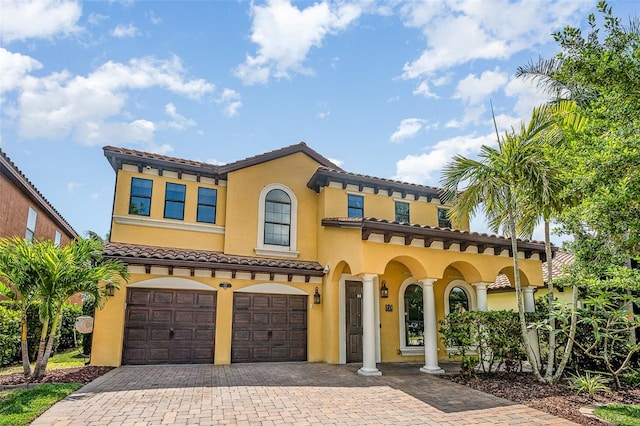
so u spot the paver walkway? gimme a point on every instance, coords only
(283, 394)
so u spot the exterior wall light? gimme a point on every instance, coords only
(316, 297)
(110, 290)
(225, 285)
(384, 291)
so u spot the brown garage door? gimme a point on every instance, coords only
(269, 327)
(169, 327)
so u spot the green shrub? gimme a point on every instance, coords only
(67, 336)
(9, 335)
(592, 385)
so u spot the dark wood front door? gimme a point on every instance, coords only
(354, 320)
(169, 327)
(269, 327)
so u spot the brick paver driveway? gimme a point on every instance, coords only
(283, 393)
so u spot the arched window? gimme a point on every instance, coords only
(277, 222)
(459, 297)
(277, 218)
(413, 316)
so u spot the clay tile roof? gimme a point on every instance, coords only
(13, 173)
(560, 259)
(202, 259)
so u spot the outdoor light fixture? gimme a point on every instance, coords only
(384, 291)
(110, 289)
(225, 285)
(316, 297)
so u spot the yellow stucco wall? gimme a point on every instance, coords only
(171, 234)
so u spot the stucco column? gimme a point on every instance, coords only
(481, 295)
(529, 302)
(368, 327)
(430, 331)
(530, 306)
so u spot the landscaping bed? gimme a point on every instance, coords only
(558, 399)
(82, 375)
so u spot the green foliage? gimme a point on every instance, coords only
(591, 384)
(619, 414)
(9, 335)
(489, 339)
(66, 336)
(20, 407)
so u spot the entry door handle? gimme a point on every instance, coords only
(171, 333)
(270, 333)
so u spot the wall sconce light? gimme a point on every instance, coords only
(384, 291)
(110, 289)
(225, 285)
(316, 297)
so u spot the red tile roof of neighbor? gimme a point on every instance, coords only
(203, 259)
(559, 260)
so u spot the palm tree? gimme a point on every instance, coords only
(16, 270)
(77, 267)
(499, 183)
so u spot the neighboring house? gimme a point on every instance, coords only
(501, 292)
(26, 213)
(286, 257)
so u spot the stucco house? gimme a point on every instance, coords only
(285, 256)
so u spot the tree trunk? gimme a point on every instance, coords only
(52, 338)
(568, 349)
(41, 347)
(551, 356)
(521, 317)
(24, 345)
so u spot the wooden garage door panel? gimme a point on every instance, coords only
(269, 327)
(169, 326)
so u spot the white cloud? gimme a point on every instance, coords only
(424, 168)
(96, 18)
(92, 108)
(15, 67)
(408, 128)
(457, 32)
(179, 121)
(338, 163)
(285, 35)
(424, 90)
(528, 96)
(124, 31)
(474, 90)
(72, 186)
(230, 100)
(22, 20)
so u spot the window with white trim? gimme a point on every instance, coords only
(277, 222)
(31, 224)
(57, 239)
(355, 205)
(402, 211)
(443, 218)
(459, 297)
(411, 312)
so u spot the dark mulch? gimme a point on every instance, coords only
(66, 375)
(558, 399)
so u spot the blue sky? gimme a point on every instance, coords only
(391, 89)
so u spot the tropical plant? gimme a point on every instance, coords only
(591, 384)
(77, 267)
(16, 269)
(500, 183)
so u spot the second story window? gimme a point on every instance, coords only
(277, 218)
(402, 211)
(57, 239)
(140, 201)
(207, 200)
(443, 218)
(31, 224)
(355, 205)
(174, 201)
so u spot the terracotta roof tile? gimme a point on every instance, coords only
(140, 254)
(560, 259)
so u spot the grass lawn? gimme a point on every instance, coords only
(623, 415)
(20, 406)
(69, 359)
